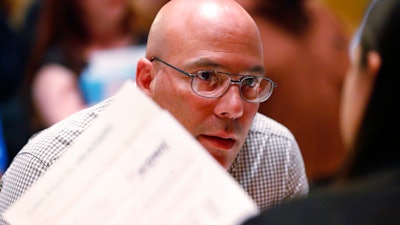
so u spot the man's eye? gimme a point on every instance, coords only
(205, 75)
(250, 81)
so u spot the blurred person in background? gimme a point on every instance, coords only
(67, 33)
(368, 189)
(305, 48)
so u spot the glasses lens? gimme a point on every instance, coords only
(213, 84)
(210, 83)
(256, 89)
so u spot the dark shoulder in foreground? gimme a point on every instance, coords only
(372, 200)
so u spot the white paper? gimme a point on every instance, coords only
(135, 165)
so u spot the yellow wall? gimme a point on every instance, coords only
(350, 11)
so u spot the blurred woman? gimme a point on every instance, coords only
(67, 33)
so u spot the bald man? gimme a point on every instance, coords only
(204, 64)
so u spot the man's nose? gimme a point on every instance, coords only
(230, 105)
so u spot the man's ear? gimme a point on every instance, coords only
(144, 75)
(374, 63)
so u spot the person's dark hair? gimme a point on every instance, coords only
(378, 143)
(289, 14)
(57, 25)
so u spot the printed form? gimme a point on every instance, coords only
(135, 165)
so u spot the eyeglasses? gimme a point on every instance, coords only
(214, 84)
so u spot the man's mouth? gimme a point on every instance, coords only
(217, 142)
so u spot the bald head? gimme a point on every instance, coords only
(183, 24)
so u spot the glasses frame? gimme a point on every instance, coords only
(237, 82)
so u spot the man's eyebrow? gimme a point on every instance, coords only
(258, 69)
(203, 63)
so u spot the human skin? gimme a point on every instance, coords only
(208, 35)
(356, 94)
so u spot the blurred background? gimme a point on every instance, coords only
(24, 48)
(349, 11)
